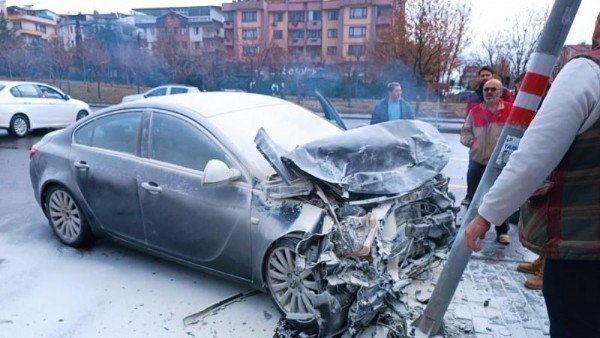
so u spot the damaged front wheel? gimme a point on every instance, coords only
(291, 290)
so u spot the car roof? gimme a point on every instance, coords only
(16, 83)
(208, 104)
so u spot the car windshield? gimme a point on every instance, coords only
(287, 124)
(2, 87)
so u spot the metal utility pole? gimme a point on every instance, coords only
(527, 101)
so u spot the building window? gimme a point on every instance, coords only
(296, 34)
(333, 14)
(40, 28)
(332, 33)
(356, 50)
(16, 26)
(277, 34)
(249, 50)
(182, 31)
(71, 29)
(297, 16)
(358, 13)
(228, 16)
(249, 34)
(384, 11)
(196, 45)
(313, 33)
(297, 51)
(249, 16)
(315, 16)
(278, 17)
(196, 30)
(358, 32)
(331, 50)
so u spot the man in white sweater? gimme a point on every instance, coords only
(555, 176)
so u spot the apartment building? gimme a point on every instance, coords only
(33, 24)
(3, 7)
(198, 28)
(310, 31)
(71, 28)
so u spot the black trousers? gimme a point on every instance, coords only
(572, 293)
(474, 175)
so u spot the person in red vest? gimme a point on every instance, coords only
(480, 133)
(555, 177)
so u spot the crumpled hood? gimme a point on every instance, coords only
(386, 158)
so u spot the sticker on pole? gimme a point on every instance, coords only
(511, 143)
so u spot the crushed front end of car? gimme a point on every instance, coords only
(389, 217)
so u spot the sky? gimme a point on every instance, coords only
(487, 15)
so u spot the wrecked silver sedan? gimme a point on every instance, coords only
(331, 223)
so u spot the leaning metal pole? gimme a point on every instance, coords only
(533, 87)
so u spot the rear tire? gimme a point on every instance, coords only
(67, 219)
(19, 126)
(81, 114)
(289, 290)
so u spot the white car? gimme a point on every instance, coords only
(28, 105)
(162, 91)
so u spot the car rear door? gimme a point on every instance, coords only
(206, 225)
(105, 159)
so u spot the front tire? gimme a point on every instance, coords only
(67, 219)
(19, 126)
(290, 289)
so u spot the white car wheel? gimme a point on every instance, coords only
(19, 126)
(66, 218)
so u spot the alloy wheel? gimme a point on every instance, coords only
(290, 289)
(65, 216)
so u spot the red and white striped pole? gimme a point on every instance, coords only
(532, 89)
(526, 104)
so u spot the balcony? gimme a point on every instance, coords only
(296, 42)
(313, 42)
(384, 20)
(228, 24)
(314, 25)
(228, 42)
(296, 25)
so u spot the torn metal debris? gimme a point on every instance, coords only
(389, 217)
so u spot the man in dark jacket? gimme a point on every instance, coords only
(485, 73)
(393, 107)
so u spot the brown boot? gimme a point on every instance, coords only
(530, 267)
(535, 282)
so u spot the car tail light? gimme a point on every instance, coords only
(32, 151)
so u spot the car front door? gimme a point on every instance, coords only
(56, 111)
(205, 225)
(105, 160)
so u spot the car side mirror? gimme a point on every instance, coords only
(66, 97)
(218, 172)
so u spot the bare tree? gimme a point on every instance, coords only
(429, 36)
(58, 60)
(95, 60)
(509, 50)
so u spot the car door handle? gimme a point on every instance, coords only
(152, 187)
(81, 165)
